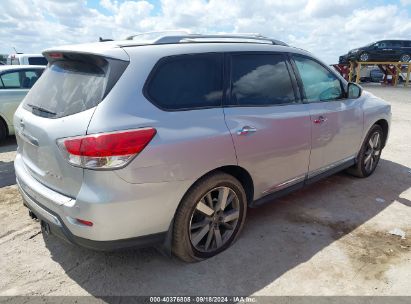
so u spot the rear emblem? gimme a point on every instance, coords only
(53, 175)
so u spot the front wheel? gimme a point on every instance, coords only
(370, 153)
(364, 57)
(209, 218)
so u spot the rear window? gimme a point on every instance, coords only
(187, 82)
(37, 61)
(66, 88)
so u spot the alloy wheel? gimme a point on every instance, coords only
(405, 58)
(372, 152)
(214, 219)
(364, 57)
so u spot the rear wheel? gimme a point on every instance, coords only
(3, 130)
(405, 58)
(369, 154)
(209, 218)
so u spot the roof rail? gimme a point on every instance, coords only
(158, 34)
(174, 36)
(218, 38)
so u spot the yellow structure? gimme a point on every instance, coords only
(390, 68)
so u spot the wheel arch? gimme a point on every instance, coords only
(385, 128)
(3, 122)
(241, 174)
(236, 171)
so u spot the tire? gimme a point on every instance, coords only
(366, 164)
(199, 232)
(3, 130)
(364, 57)
(405, 58)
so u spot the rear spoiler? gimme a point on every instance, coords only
(109, 49)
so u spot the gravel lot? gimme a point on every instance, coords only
(328, 239)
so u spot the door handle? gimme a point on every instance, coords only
(320, 119)
(246, 130)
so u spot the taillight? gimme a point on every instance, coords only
(105, 150)
(84, 222)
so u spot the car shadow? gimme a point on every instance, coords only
(8, 145)
(276, 238)
(7, 176)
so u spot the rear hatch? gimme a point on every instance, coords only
(61, 104)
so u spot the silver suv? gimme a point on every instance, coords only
(170, 140)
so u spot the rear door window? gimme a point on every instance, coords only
(186, 82)
(260, 79)
(395, 44)
(66, 88)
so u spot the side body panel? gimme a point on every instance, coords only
(374, 109)
(338, 137)
(277, 154)
(9, 102)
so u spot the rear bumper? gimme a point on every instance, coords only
(59, 229)
(123, 214)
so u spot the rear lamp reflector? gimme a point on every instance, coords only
(56, 55)
(84, 222)
(105, 150)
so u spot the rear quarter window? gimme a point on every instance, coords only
(186, 82)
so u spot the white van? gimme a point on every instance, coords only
(26, 59)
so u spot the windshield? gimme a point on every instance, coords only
(66, 88)
(370, 44)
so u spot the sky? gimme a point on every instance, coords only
(327, 28)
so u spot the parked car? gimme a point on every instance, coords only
(121, 144)
(26, 59)
(374, 74)
(3, 59)
(365, 73)
(15, 82)
(384, 50)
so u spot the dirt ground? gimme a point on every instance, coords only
(331, 238)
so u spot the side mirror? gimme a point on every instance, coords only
(354, 91)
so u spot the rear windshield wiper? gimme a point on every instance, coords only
(40, 109)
